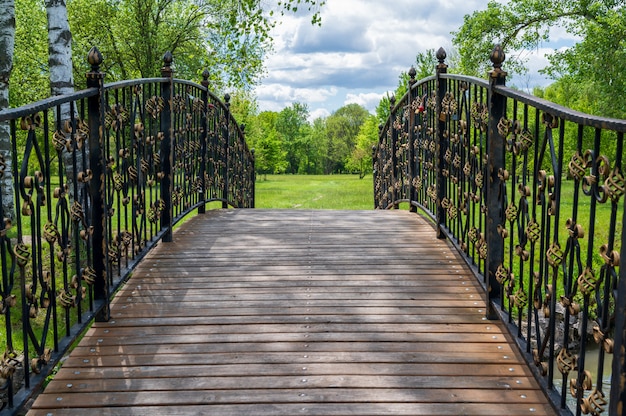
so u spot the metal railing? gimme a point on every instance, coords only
(532, 195)
(100, 176)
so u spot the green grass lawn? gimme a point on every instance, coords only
(315, 192)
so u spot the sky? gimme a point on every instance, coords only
(362, 46)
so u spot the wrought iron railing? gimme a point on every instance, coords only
(532, 195)
(100, 176)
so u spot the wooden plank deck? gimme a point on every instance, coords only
(255, 312)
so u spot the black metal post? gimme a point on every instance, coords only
(394, 151)
(442, 88)
(166, 147)
(203, 141)
(375, 169)
(493, 196)
(618, 376)
(253, 179)
(226, 152)
(95, 79)
(411, 131)
(241, 161)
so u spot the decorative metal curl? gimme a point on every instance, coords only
(587, 281)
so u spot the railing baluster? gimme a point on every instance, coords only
(442, 143)
(95, 79)
(203, 141)
(226, 166)
(394, 151)
(618, 377)
(494, 184)
(411, 140)
(166, 148)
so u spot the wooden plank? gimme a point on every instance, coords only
(297, 312)
(332, 327)
(326, 346)
(319, 409)
(277, 382)
(244, 395)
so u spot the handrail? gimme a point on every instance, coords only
(532, 196)
(8, 114)
(105, 173)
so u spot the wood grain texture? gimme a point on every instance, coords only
(294, 312)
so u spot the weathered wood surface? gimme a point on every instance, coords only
(254, 312)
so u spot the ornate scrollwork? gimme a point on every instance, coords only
(116, 117)
(594, 404)
(615, 185)
(154, 106)
(520, 298)
(8, 365)
(554, 255)
(566, 362)
(449, 105)
(503, 275)
(480, 115)
(587, 281)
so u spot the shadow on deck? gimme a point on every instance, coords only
(298, 312)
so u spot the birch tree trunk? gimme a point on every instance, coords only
(7, 46)
(59, 49)
(61, 74)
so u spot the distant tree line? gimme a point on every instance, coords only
(288, 142)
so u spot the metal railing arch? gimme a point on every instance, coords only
(100, 176)
(532, 195)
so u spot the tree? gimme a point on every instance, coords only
(342, 128)
(425, 64)
(598, 61)
(7, 46)
(230, 37)
(361, 158)
(291, 126)
(523, 25)
(30, 80)
(59, 48)
(269, 156)
(316, 146)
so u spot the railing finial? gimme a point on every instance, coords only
(166, 70)
(95, 78)
(441, 55)
(205, 78)
(497, 58)
(94, 57)
(412, 74)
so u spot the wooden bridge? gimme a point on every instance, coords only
(261, 312)
(312, 312)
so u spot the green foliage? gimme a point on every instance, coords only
(594, 64)
(229, 37)
(425, 64)
(597, 62)
(287, 142)
(269, 156)
(342, 128)
(361, 158)
(292, 128)
(29, 79)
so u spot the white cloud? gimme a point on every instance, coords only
(368, 100)
(318, 113)
(360, 49)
